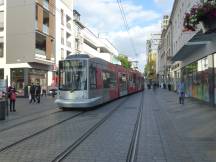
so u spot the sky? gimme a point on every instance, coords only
(144, 17)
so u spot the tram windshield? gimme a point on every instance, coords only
(73, 75)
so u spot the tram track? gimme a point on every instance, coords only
(63, 155)
(28, 121)
(39, 132)
(133, 148)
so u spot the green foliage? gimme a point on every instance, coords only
(124, 61)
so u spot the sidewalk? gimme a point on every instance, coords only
(26, 111)
(191, 126)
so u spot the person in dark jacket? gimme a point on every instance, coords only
(12, 97)
(38, 92)
(32, 93)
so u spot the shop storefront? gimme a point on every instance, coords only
(175, 76)
(23, 77)
(197, 79)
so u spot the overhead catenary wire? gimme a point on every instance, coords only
(124, 18)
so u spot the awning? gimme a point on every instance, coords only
(187, 50)
(195, 43)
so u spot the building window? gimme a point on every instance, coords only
(1, 73)
(92, 76)
(1, 47)
(62, 17)
(17, 76)
(1, 2)
(77, 44)
(1, 20)
(62, 54)
(62, 36)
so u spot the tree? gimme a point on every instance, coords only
(124, 61)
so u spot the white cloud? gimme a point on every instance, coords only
(139, 36)
(160, 1)
(103, 16)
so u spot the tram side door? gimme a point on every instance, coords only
(122, 84)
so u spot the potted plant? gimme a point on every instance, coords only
(202, 14)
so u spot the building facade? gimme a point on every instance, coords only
(29, 42)
(39, 33)
(64, 29)
(86, 42)
(2, 36)
(193, 54)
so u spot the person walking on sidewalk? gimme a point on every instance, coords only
(181, 91)
(12, 97)
(38, 92)
(32, 93)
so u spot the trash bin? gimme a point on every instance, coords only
(2, 109)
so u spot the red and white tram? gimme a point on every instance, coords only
(86, 82)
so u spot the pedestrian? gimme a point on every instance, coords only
(12, 96)
(32, 93)
(154, 86)
(38, 92)
(169, 86)
(181, 91)
(44, 91)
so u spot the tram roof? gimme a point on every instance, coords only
(77, 56)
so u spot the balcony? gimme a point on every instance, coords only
(46, 4)
(45, 29)
(40, 44)
(40, 51)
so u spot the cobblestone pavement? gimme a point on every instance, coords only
(28, 112)
(25, 111)
(46, 146)
(169, 132)
(111, 141)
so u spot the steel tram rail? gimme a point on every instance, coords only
(27, 121)
(39, 132)
(26, 115)
(133, 148)
(74, 145)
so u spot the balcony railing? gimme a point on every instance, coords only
(45, 29)
(40, 51)
(46, 4)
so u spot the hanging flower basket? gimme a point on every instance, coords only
(203, 15)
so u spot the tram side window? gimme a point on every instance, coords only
(109, 79)
(112, 80)
(92, 77)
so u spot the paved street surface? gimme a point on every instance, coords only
(169, 132)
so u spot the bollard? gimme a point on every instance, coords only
(2, 109)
